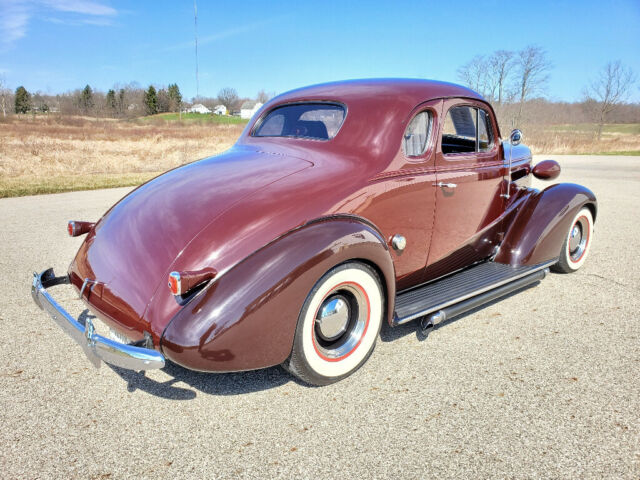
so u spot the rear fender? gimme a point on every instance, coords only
(538, 229)
(246, 319)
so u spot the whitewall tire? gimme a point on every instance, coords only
(577, 243)
(338, 325)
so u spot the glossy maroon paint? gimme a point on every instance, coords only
(252, 214)
(541, 222)
(247, 319)
(472, 208)
(547, 170)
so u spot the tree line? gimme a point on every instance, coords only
(119, 102)
(511, 80)
(123, 101)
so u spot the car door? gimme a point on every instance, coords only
(469, 171)
(404, 203)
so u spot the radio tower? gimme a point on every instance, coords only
(195, 16)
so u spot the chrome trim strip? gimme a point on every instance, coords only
(96, 347)
(402, 321)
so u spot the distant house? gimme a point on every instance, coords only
(249, 108)
(198, 108)
(220, 110)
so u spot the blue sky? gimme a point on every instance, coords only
(59, 45)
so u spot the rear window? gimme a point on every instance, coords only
(318, 121)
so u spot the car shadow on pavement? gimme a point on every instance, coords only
(236, 383)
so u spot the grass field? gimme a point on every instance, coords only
(48, 154)
(607, 130)
(617, 139)
(193, 118)
(56, 154)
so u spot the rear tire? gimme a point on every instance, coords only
(577, 243)
(338, 325)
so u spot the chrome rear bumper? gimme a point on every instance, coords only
(95, 346)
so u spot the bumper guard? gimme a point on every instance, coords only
(95, 346)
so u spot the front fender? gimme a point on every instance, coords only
(537, 231)
(246, 319)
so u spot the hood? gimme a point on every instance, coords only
(132, 247)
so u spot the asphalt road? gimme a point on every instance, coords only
(544, 384)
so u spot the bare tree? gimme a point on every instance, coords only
(499, 65)
(533, 72)
(228, 97)
(609, 90)
(5, 95)
(264, 96)
(474, 74)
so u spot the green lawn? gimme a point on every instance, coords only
(196, 118)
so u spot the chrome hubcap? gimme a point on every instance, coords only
(341, 321)
(333, 318)
(578, 238)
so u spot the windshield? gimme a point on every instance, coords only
(318, 121)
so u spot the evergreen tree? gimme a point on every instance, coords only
(86, 100)
(175, 97)
(23, 100)
(151, 101)
(111, 101)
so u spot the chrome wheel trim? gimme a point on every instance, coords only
(578, 239)
(334, 340)
(333, 318)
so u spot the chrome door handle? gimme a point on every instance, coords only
(445, 185)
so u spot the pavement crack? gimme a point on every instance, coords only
(611, 280)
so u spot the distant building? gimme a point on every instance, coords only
(198, 108)
(249, 108)
(220, 110)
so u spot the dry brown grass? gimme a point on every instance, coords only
(56, 153)
(52, 154)
(581, 139)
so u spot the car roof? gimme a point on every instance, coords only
(411, 90)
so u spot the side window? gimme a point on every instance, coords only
(466, 129)
(416, 136)
(485, 139)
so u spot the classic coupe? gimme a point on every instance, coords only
(340, 207)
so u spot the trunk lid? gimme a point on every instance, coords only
(132, 247)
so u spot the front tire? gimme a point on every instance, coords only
(577, 243)
(338, 325)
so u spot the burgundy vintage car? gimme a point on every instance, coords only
(340, 207)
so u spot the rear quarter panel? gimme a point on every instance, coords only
(247, 318)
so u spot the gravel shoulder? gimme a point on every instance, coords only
(545, 383)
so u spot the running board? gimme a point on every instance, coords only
(464, 291)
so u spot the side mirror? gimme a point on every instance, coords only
(546, 170)
(516, 137)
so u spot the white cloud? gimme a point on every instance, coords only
(16, 14)
(13, 21)
(231, 32)
(80, 6)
